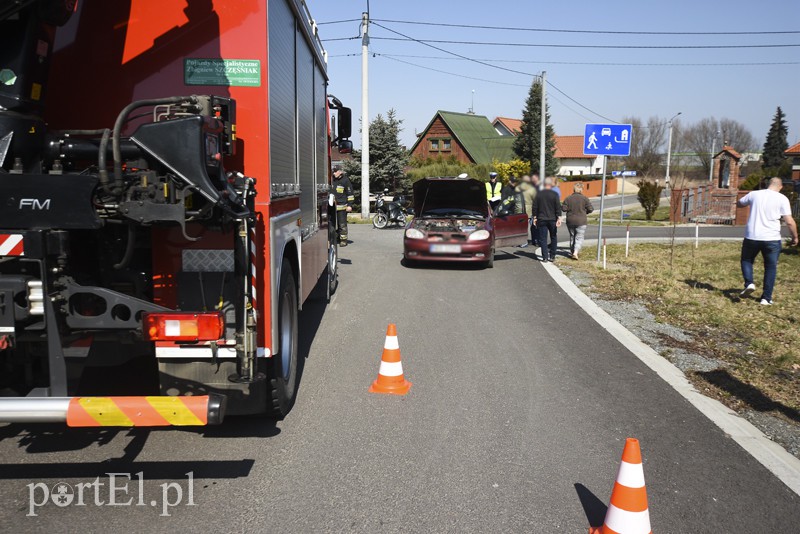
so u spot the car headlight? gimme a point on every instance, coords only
(413, 233)
(479, 235)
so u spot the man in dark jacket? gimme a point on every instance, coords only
(577, 206)
(547, 218)
(343, 191)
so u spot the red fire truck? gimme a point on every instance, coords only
(164, 183)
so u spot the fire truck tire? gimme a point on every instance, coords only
(283, 371)
(333, 269)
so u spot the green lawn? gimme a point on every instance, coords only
(635, 216)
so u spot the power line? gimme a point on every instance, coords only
(491, 66)
(338, 21)
(563, 30)
(388, 56)
(605, 64)
(341, 39)
(581, 105)
(447, 72)
(620, 47)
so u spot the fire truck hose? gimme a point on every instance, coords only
(120, 122)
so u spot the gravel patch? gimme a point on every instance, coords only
(782, 432)
(635, 317)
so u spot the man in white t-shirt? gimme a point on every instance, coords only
(763, 234)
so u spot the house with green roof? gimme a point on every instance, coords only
(469, 138)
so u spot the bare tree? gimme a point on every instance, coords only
(647, 145)
(737, 135)
(699, 137)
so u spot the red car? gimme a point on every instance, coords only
(453, 222)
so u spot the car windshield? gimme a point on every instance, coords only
(461, 213)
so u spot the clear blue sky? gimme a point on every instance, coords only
(749, 91)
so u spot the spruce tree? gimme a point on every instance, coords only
(777, 141)
(387, 156)
(527, 143)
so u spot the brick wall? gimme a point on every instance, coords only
(591, 188)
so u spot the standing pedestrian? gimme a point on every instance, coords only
(547, 217)
(577, 206)
(509, 195)
(343, 192)
(537, 186)
(493, 190)
(555, 186)
(528, 192)
(763, 234)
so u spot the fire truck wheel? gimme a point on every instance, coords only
(283, 371)
(333, 269)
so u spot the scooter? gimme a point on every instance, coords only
(387, 212)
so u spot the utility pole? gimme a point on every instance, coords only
(365, 115)
(543, 129)
(669, 148)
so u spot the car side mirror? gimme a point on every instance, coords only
(501, 211)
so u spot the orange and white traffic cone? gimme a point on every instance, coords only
(627, 513)
(390, 375)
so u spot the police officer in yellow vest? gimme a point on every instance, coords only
(343, 191)
(493, 189)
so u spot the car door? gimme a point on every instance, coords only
(511, 225)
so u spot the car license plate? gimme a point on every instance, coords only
(446, 249)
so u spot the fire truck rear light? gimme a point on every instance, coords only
(179, 326)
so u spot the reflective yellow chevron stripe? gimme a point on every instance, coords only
(105, 411)
(174, 411)
(138, 411)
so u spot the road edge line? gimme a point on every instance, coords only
(772, 456)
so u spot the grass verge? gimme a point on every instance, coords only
(698, 291)
(636, 217)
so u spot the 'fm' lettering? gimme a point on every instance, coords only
(34, 204)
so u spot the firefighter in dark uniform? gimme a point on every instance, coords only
(508, 194)
(343, 191)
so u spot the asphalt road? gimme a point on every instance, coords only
(516, 420)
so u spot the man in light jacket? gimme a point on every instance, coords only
(528, 197)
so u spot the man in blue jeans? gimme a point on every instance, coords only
(547, 219)
(763, 234)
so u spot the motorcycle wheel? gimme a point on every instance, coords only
(380, 221)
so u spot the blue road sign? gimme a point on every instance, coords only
(629, 173)
(607, 140)
(616, 173)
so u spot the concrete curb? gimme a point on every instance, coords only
(768, 453)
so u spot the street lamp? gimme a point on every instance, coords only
(669, 148)
(711, 163)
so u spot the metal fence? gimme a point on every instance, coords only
(703, 204)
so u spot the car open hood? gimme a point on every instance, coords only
(436, 193)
